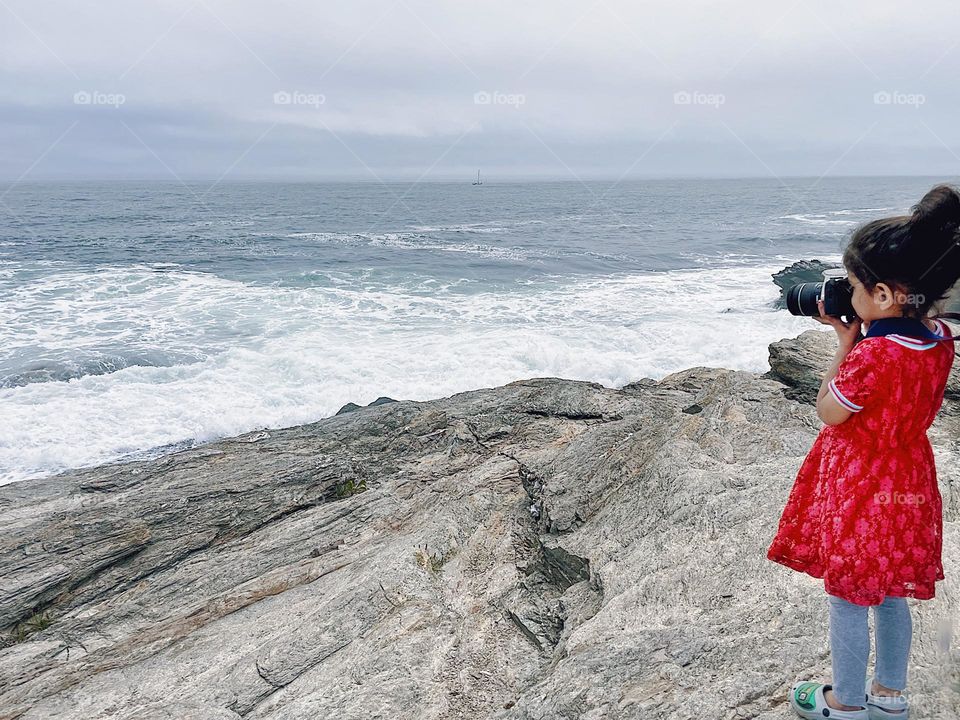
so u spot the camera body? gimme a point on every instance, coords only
(835, 291)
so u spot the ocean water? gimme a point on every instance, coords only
(136, 319)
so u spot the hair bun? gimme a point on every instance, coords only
(939, 210)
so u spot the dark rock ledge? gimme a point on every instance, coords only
(546, 549)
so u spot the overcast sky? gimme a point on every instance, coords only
(384, 89)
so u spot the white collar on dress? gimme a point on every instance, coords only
(913, 343)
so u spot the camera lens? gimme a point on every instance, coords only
(802, 299)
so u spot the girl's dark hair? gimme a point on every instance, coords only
(916, 254)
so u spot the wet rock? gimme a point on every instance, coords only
(350, 407)
(799, 272)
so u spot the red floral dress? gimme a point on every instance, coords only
(865, 512)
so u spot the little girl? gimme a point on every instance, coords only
(865, 512)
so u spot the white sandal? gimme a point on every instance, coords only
(807, 701)
(886, 707)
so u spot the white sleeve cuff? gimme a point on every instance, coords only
(848, 404)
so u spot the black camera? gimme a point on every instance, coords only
(835, 291)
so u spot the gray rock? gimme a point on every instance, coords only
(800, 363)
(545, 549)
(799, 272)
(350, 407)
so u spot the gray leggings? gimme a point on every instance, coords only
(850, 646)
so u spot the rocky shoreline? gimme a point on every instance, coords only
(545, 549)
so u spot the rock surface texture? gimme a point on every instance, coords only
(546, 549)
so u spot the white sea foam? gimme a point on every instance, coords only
(415, 241)
(230, 222)
(479, 229)
(818, 219)
(848, 216)
(276, 356)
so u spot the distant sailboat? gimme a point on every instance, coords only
(478, 182)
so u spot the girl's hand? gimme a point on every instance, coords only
(847, 333)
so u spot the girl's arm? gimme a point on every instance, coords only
(829, 408)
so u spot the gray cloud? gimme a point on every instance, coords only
(540, 89)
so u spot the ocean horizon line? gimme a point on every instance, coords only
(445, 179)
